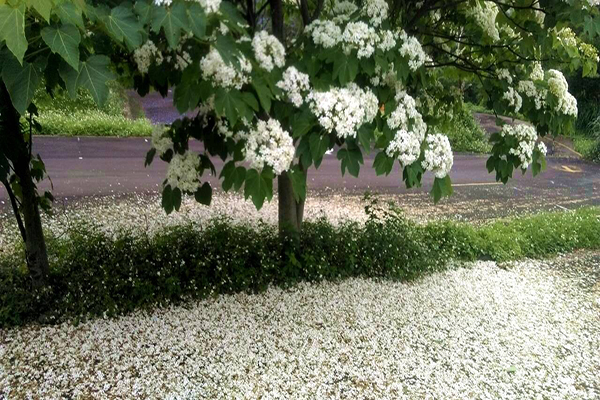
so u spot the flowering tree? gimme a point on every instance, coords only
(274, 85)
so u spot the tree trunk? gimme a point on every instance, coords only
(11, 138)
(291, 212)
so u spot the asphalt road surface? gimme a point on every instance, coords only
(82, 167)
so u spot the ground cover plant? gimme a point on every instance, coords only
(96, 273)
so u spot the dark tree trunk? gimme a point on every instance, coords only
(11, 137)
(291, 212)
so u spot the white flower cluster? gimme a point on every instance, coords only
(541, 146)
(294, 84)
(485, 13)
(221, 74)
(145, 55)
(269, 144)
(377, 11)
(161, 142)
(438, 155)
(183, 172)
(268, 50)
(558, 86)
(210, 6)
(387, 40)
(360, 36)
(325, 33)
(504, 74)
(411, 129)
(412, 49)
(342, 10)
(526, 136)
(514, 99)
(344, 109)
(529, 89)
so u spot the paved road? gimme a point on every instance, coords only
(106, 166)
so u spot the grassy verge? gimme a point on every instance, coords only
(62, 115)
(95, 273)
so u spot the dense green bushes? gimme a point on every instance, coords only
(466, 135)
(64, 116)
(94, 273)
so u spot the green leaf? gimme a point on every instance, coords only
(227, 102)
(228, 50)
(250, 100)
(12, 29)
(69, 13)
(298, 179)
(69, 76)
(351, 159)
(441, 187)
(22, 82)
(345, 68)
(64, 40)
(204, 194)
(259, 186)
(167, 199)
(383, 164)
(365, 135)
(144, 10)
(172, 20)
(263, 92)
(318, 146)
(124, 26)
(150, 157)
(93, 75)
(197, 20)
(302, 123)
(43, 7)
(230, 11)
(186, 96)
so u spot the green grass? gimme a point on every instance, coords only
(62, 115)
(94, 273)
(466, 135)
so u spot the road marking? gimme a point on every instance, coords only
(570, 168)
(476, 184)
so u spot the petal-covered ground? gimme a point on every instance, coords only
(528, 330)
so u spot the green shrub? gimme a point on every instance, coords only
(466, 135)
(94, 273)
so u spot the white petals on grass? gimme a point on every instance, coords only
(480, 332)
(222, 74)
(344, 110)
(269, 144)
(438, 155)
(526, 137)
(295, 84)
(268, 50)
(183, 172)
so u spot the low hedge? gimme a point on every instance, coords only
(95, 274)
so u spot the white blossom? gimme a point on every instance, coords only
(222, 74)
(377, 11)
(526, 137)
(361, 37)
(344, 109)
(269, 144)
(268, 50)
(183, 172)
(405, 146)
(412, 49)
(294, 84)
(325, 33)
(514, 99)
(438, 155)
(484, 13)
(558, 86)
(145, 55)
(161, 142)
(541, 146)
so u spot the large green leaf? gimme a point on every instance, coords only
(345, 68)
(22, 82)
(172, 20)
(43, 7)
(259, 186)
(229, 103)
(69, 76)
(228, 50)
(351, 158)
(318, 146)
(124, 26)
(64, 40)
(144, 9)
(93, 75)
(298, 178)
(12, 29)
(69, 13)
(197, 20)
